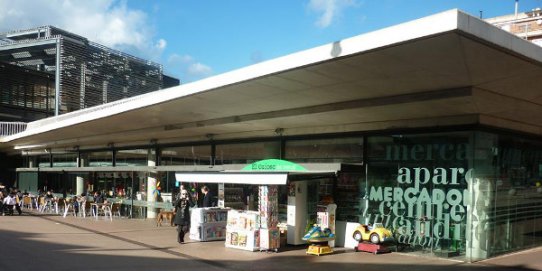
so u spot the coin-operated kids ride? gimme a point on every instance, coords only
(372, 238)
(322, 233)
(376, 234)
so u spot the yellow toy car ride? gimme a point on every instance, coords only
(375, 234)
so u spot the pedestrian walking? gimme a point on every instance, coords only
(182, 214)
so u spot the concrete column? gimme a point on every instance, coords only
(79, 180)
(32, 162)
(151, 184)
(79, 185)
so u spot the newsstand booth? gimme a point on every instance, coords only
(288, 192)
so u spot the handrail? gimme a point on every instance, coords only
(11, 128)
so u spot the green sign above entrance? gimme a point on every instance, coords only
(274, 165)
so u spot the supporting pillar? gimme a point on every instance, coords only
(151, 184)
(80, 180)
(79, 185)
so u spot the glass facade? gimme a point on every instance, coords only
(44, 160)
(341, 150)
(100, 159)
(136, 157)
(68, 159)
(469, 195)
(246, 153)
(416, 186)
(190, 155)
(506, 195)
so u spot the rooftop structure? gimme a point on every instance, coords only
(527, 25)
(84, 73)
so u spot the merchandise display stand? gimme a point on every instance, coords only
(256, 230)
(269, 218)
(208, 224)
(242, 230)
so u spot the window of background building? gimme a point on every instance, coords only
(44, 160)
(325, 150)
(100, 159)
(68, 159)
(246, 153)
(135, 157)
(189, 155)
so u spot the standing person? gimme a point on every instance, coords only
(182, 214)
(2, 207)
(208, 200)
(9, 203)
(99, 200)
(19, 200)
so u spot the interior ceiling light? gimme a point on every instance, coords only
(24, 54)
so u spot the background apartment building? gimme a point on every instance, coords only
(527, 25)
(47, 71)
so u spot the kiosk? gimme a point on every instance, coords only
(267, 175)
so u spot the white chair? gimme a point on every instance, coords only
(102, 209)
(27, 202)
(115, 209)
(67, 207)
(83, 206)
(35, 202)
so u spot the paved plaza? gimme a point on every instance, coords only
(49, 242)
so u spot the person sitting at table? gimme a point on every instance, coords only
(79, 202)
(49, 198)
(98, 199)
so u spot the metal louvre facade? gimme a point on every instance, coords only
(25, 94)
(88, 73)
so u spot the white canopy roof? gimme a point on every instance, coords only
(236, 178)
(443, 70)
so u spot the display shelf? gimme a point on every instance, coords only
(242, 230)
(231, 197)
(269, 217)
(208, 224)
(243, 239)
(348, 194)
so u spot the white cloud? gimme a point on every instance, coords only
(108, 22)
(199, 69)
(330, 9)
(161, 44)
(187, 67)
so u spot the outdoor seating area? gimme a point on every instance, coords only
(81, 206)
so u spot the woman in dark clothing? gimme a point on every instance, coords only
(182, 214)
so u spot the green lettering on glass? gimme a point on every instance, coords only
(274, 165)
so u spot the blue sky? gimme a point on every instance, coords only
(195, 39)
